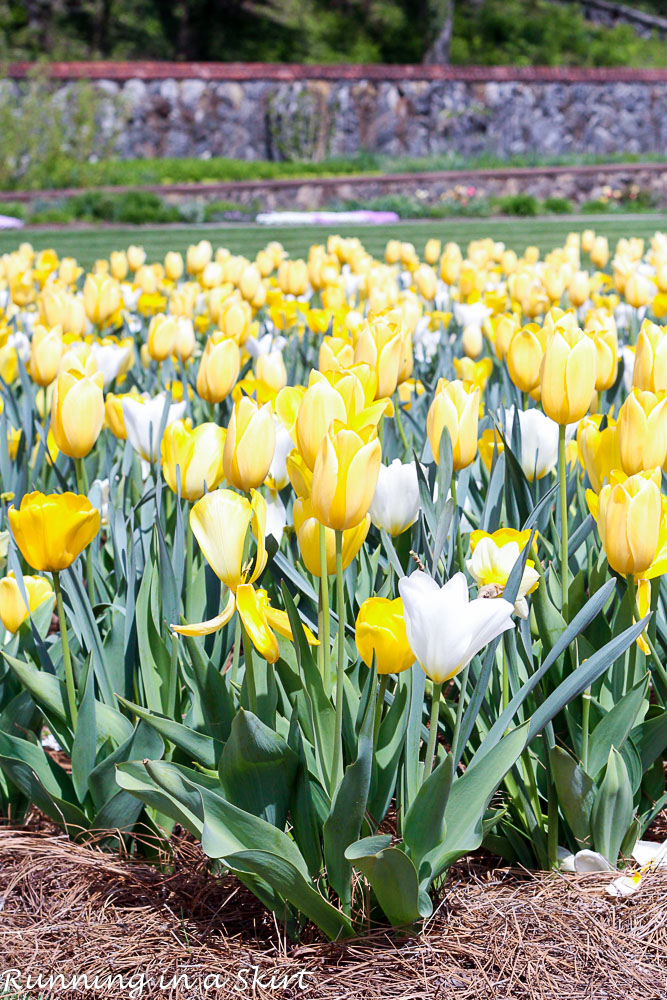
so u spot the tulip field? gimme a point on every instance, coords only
(347, 563)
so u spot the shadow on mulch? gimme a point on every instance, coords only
(69, 909)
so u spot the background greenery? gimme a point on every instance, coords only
(516, 32)
(87, 245)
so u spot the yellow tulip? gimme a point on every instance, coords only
(642, 431)
(580, 288)
(432, 251)
(173, 265)
(524, 357)
(261, 620)
(235, 319)
(345, 476)
(650, 371)
(569, 372)
(249, 444)
(13, 609)
(600, 252)
(426, 281)
(307, 529)
(220, 522)
(606, 349)
(456, 407)
(197, 453)
(472, 341)
(119, 265)
(101, 297)
(77, 412)
(380, 634)
(489, 443)
(598, 450)
(270, 370)
(503, 328)
(46, 352)
(637, 290)
(51, 530)
(113, 413)
(308, 414)
(380, 345)
(628, 514)
(136, 257)
(218, 369)
(162, 334)
(68, 269)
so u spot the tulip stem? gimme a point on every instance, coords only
(249, 669)
(67, 659)
(337, 765)
(562, 469)
(459, 541)
(236, 650)
(378, 708)
(82, 487)
(188, 570)
(325, 638)
(459, 715)
(399, 422)
(632, 654)
(433, 731)
(585, 715)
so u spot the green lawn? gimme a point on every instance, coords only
(90, 243)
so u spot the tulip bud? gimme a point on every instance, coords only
(580, 288)
(185, 338)
(77, 412)
(524, 357)
(307, 529)
(68, 270)
(13, 609)
(650, 370)
(587, 240)
(119, 265)
(136, 257)
(194, 455)
(628, 513)
(345, 476)
(568, 374)
(250, 282)
(218, 369)
(235, 319)
(380, 635)
(598, 450)
(396, 501)
(472, 340)
(173, 265)
(249, 444)
(270, 369)
(642, 431)
(426, 282)
(456, 407)
(198, 257)
(637, 290)
(600, 252)
(101, 297)
(606, 350)
(432, 251)
(162, 334)
(45, 354)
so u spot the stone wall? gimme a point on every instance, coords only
(277, 112)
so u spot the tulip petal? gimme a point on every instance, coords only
(212, 625)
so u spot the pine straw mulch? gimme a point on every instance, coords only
(496, 934)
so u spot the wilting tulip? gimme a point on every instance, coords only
(13, 609)
(444, 628)
(249, 445)
(307, 529)
(524, 357)
(599, 451)
(218, 369)
(45, 355)
(569, 372)
(456, 407)
(396, 502)
(197, 453)
(345, 476)
(162, 334)
(628, 513)
(380, 635)
(101, 297)
(642, 431)
(650, 369)
(142, 418)
(77, 412)
(51, 530)
(493, 558)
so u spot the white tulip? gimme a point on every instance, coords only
(99, 497)
(444, 628)
(278, 467)
(142, 423)
(628, 356)
(539, 441)
(276, 516)
(110, 359)
(471, 314)
(396, 503)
